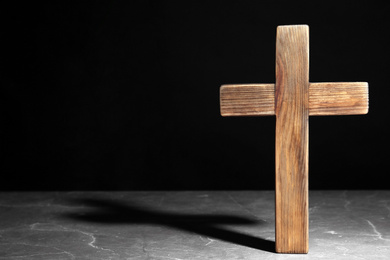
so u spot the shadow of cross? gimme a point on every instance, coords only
(292, 99)
(209, 225)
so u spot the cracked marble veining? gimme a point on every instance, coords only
(186, 225)
(38, 253)
(47, 227)
(230, 196)
(377, 233)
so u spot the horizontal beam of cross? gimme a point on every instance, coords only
(330, 98)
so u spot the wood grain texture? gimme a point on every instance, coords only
(291, 144)
(338, 98)
(247, 100)
(329, 98)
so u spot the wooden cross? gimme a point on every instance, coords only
(292, 99)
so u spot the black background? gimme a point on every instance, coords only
(124, 95)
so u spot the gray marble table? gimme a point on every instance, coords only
(186, 225)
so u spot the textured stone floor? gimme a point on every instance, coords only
(186, 225)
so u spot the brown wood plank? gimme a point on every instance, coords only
(291, 147)
(247, 100)
(338, 98)
(333, 98)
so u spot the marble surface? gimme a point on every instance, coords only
(186, 225)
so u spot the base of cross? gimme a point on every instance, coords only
(292, 99)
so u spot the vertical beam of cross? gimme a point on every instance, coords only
(291, 143)
(292, 99)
